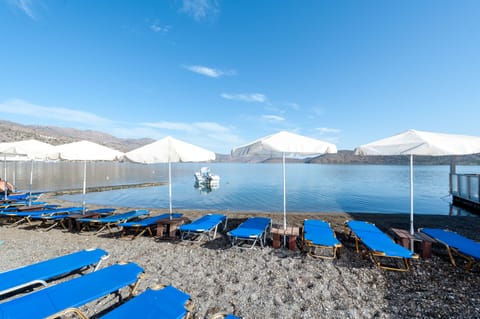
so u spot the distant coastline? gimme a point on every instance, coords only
(348, 157)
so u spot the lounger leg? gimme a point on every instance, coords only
(76, 311)
(18, 222)
(101, 229)
(140, 233)
(356, 244)
(51, 227)
(215, 232)
(381, 266)
(451, 255)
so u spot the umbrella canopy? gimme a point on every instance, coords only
(287, 144)
(32, 149)
(169, 150)
(86, 151)
(413, 142)
(27, 150)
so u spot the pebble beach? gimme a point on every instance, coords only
(274, 283)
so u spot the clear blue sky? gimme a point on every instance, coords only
(219, 74)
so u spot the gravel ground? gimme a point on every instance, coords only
(275, 283)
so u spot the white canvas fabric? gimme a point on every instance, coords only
(87, 151)
(285, 142)
(170, 150)
(29, 149)
(422, 143)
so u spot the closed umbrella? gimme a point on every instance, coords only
(413, 142)
(169, 150)
(86, 151)
(289, 145)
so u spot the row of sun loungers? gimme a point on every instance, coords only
(69, 296)
(318, 239)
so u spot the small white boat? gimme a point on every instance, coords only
(205, 177)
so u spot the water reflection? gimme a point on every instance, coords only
(206, 188)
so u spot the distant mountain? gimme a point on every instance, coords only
(10, 131)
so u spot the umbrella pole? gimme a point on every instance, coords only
(84, 185)
(14, 175)
(284, 204)
(412, 231)
(31, 183)
(5, 174)
(411, 194)
(170, 187)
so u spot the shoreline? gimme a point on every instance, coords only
(274, 283)
(383, 220)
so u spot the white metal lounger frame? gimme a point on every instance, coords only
(191, 235)
(262, 239)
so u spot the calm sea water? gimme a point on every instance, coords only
(256, 187)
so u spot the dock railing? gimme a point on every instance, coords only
(466, 186)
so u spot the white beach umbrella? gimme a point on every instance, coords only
(413, 142)
(169, 150)
(86, 151)
(28, 150)
(288, 145)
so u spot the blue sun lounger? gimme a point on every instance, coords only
(42, 272)
(36, 206)
(139, 227)
(26, 216)
(205, 226)
(252, 230)
(379, 245)
(318, 235)
(165, 303)
(454, 242)
(66, 297)
(58, 219)
(112, 220)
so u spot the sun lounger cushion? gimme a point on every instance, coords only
(117, 217)
(71, 294)
(166, 303)
(41, 272)
(378, 241)
(251, 228)
(318, 238)
(464, 245)
(44, 212)
(148, 221)
(204, 223)
(319, 232)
